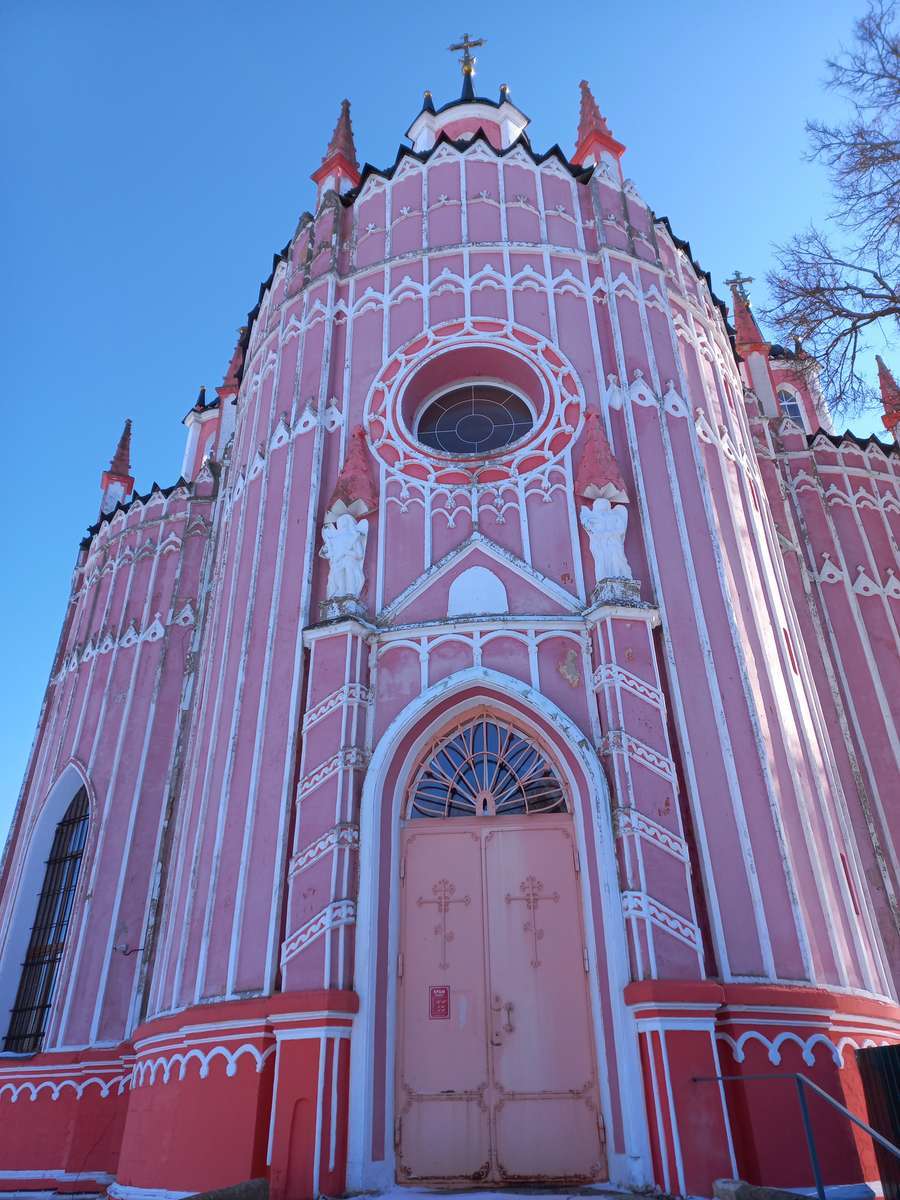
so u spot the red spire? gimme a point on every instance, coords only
(121, 460)
(340, 162)
(117, 484)
(355, 490)
(747, 332)
(890, 396)
(591, 119)
(232, 381)
(598, 472)
(594, 134)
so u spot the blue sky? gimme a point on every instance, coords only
(156, 155)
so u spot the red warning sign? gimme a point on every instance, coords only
(439, 1004)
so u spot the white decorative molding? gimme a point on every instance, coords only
(863, 585)
(648, 908)
(673, 403)
(704, 429)
(339, 912)
(259, 461)
(773, 1045)
(630, 821)
(612, 675)
(162, 1066)
(281, 434)
(339, 837)
(104, 643)
(830, 572)
(114, 1085)
(348, 759)
(617, 741)
(350, 693)
(154, 631)
(185, 617)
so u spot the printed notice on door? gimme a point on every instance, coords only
(439, 1004)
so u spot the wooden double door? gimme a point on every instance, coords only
(496, 1077)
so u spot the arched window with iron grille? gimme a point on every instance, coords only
(48, 933)
(485, 768)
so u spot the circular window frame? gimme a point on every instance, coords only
(549, 379)
(470, 455)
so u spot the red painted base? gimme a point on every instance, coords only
(228, 1092)
(752, 1128)
(210, 1097)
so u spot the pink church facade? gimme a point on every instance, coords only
(488, 739)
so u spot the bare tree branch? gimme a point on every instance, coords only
(830, 297)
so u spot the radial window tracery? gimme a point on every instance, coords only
(474, 418)
(484, 768)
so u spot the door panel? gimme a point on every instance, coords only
(543, 1077)
(495, 1073)
(443, 1078)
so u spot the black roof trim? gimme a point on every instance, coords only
(280, 257)
(582, 174)
(578, 173)
(197, 407)
(94, 529)
(866, 443)
(686, 247)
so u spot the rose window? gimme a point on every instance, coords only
(474, 418)
(485, 769)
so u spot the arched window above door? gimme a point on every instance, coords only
(484, 768)
(37, 982)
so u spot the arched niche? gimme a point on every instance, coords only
(476, 591)
(27, 877)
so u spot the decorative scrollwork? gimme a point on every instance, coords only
(484, 769)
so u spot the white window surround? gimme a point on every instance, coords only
(790, 404)
(28, 876)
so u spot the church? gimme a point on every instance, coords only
(479, 767)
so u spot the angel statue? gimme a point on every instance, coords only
(606, 524)
(344, 545)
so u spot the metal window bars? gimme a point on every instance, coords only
(485, 769)
(48, 933)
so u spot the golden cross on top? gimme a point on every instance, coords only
(466, 44)
(739, 281)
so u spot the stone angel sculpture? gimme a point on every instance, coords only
(344, 545)
(606, 524)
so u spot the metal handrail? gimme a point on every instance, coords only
(801, 1081)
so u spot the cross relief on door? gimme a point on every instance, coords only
(531, 898)
(444, 895)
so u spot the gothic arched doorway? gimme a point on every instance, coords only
(495, 1057)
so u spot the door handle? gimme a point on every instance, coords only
(499, 1006)
(509, 1006)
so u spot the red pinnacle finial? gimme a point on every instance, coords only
(591, 119)
(890, 396)
(121, 460)
(747, 332)
(232, 381)
(355, 490)
(594, 134)
(340, 157)
(342, 138)
(598, 472)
